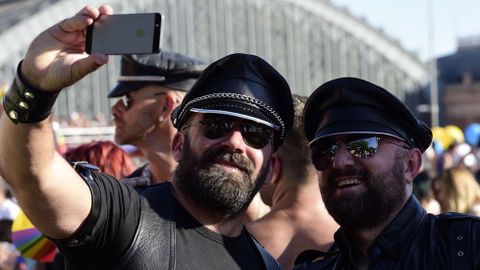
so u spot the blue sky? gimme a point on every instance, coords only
(407, 21)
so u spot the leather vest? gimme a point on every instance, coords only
(153, 246)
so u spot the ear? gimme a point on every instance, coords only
(274, 171)
(170, 102)
(167, 106)
(177, 146)
(413, 164)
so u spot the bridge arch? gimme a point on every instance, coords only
(309, 41)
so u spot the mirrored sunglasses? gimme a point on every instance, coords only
(215, 126)
(362, 146)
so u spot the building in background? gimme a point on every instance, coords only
(459, 84)
(309, 41)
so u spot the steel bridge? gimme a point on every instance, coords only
(309, 41)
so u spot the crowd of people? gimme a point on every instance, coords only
(450, 182)
(238, 173)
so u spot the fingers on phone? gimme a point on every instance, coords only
(89, 11)
(78, 22)
(84, 18)
(87, 65)
(106, 9)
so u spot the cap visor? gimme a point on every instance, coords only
(238, 112)
(123, 88)
(355, 127)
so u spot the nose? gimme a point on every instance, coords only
(342, 157)
(234, 140)
(118, 109)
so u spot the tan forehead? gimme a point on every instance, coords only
(150, 89)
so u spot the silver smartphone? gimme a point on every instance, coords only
(138, 33)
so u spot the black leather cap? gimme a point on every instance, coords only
(243, 86)
(351, 105)
(172, 70)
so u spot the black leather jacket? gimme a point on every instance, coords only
(414, 240)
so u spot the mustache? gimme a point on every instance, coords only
(215, 155)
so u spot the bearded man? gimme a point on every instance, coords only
(368, 146)
(229, 126)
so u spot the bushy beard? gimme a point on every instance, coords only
(385, 194)
(214, 189)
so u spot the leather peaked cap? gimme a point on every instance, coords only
(168, 69)
(244, 86)
(351, 105)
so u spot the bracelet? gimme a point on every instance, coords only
(24, 103)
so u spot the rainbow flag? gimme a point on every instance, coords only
(30, 241)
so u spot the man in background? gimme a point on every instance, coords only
(298, 220)
(151, 86)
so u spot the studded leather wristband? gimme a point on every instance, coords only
(24, 103)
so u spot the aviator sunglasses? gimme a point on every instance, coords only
(215, 126)
(362, 146)
(128, 101)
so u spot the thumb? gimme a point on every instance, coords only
(84, 66)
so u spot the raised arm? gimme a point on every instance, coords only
(50, 192)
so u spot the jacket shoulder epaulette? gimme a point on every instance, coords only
(84, 169)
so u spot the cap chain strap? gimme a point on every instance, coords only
(238, 97)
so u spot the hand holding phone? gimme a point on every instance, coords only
(138, 33)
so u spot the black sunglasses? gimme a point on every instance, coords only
(362, 146)
(216, 126)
